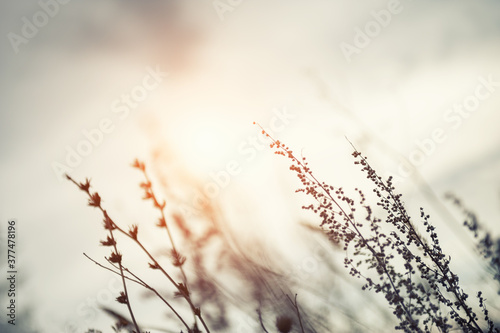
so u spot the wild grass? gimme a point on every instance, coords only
(394, 255)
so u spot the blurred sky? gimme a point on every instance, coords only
(225, 70)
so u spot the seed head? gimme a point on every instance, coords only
(284, 324)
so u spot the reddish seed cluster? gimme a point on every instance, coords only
(122, 298)
(108, 242)
(133, 232)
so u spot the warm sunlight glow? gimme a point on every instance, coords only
(386, 114)
(203, 141)
(208, 141)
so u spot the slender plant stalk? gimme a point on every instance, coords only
(140, 282)
(295, 305)
(161, 208)
(150, 194)
(132, 234)
(111, 270)
(95, 201)
(260, 320)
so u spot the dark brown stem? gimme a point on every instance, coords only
(109, 269)
(161, 208)
(140, 282)
(112, 225)
(110, 229)
(295, 305)
(260, 320)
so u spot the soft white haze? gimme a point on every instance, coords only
(264, 58)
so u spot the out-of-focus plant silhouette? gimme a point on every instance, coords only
(487, 245)
(216, 279)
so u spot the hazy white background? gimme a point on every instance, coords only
(223, 75)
